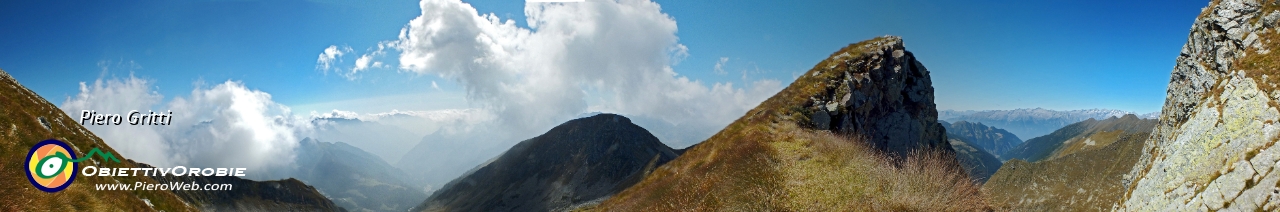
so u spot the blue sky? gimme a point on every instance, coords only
(983, 55)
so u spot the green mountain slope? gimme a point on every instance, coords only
(1085, 173)
(1076, 137)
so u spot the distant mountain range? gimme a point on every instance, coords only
(1033, 122)
(579, 162)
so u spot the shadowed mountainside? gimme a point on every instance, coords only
(977, 162)
(248, 195)
(994, 140)
(579, 162)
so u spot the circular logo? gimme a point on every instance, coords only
(49, 165)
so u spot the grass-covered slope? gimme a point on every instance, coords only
(26, 119)
(1042, 147)
(772, 160)
(1086, 173)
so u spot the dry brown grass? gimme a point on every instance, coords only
(826, 172)
(781, 167)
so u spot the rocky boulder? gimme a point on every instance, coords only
(879, 92)
(1214, 146)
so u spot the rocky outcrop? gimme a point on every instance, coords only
(993, 140)
(879, 92)
(1214, 146)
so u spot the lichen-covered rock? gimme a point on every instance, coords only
(1214, 147)
(881, 92)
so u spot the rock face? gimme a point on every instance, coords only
(579, 162)
(993, 140)
(883, 94)
(1214, 146)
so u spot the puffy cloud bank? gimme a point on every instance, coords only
(226, 125)
(617, 51)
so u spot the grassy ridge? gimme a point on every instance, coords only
(765, 161)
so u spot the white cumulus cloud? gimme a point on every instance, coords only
(331, 56)
(622, 49)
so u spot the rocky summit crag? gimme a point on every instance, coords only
(885, 95)
(1214, 148)
(824, 143)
